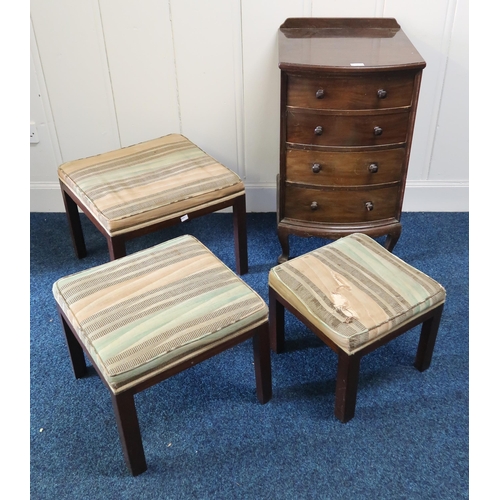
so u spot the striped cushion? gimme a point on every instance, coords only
(153, 309)
(355, 291)
(150, 182)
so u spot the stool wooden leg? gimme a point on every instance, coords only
(75, 350)
(276, 322)
(129, 431)
(75, 225)
(347, 386)
(240, 235)
(116, 247)
(262, 363)
(427, 340)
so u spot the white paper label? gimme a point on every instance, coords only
(184, 218)
(357, 64)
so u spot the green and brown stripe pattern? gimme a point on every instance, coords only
(142, 314)
(149, 182)
(355, 291)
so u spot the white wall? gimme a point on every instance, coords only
(110, 73)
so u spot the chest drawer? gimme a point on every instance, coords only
(344, 169)
(352, 92)
(329, 129)
(343, 206)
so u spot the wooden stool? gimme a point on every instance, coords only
(147, 316)
(355, 296)
(140, 189)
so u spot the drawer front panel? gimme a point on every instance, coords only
(341, 206)
(344, 169)
(305, 127)
(355, 92)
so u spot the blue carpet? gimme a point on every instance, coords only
(205, 434)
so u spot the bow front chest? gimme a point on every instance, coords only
(349, 92)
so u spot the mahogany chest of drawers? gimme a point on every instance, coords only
(349, 92)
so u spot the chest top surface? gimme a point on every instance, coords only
(345, 44)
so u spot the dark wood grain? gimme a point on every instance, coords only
(354, 91)
(344, 168)
(322, 44)
(343, 206)
(346, 130)
(349, 94)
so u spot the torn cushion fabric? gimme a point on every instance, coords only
(355, 291)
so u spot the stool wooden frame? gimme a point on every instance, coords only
(123, 402)
(116, 244)
(349, 365)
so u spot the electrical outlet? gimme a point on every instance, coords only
(33, 134)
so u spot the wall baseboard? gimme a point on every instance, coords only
(420, 196)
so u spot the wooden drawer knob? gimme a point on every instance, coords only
(314, 205)
(382, 94)
(318, 130)
(316, 168)
(369, 206)
(320, 93)
(373, 168)
(377, 131)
